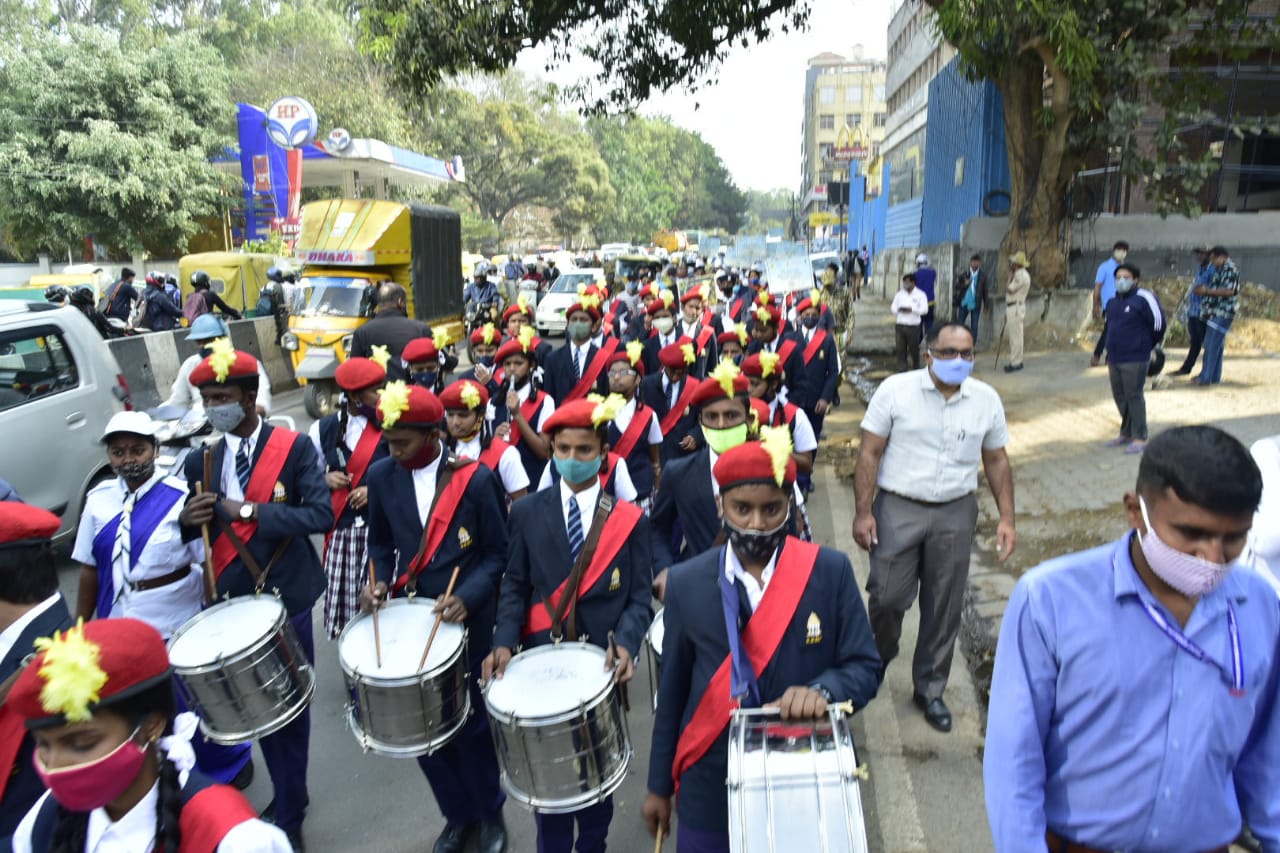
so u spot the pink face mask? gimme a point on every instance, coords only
(94, 784)
(1188, 574)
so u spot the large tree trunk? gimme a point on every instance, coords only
(1039, 167)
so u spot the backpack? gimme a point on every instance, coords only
(196, 305)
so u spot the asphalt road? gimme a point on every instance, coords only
(924, 790)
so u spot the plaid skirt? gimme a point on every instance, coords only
(346, 571)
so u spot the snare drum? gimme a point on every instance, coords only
(793, 786)
(558, 727)
(653, 642)
(394, 709)
(241, 668)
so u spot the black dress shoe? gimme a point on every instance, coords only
(491, 836)
(295, 841)
(936, 712)
(244, 778)
(269, 813)
(452, 840)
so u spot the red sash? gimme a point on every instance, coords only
(356, 466)
(785, 350)
(441, 517)
(685, 400)
(760, 641)
(491, 455)
(209, 816)
(12, 731)
(704, 337)
(639, 425)
(262, 485)
(528, 408)
(819, 337)
(592, 372)
(615, 534)
(786, 413)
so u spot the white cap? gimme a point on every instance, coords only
(134, 423)
(922, 258)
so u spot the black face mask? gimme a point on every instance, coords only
(755, 545)
(426, 379)
(205, 352)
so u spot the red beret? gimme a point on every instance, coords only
(578, 306)
(424, 409)
(730, 337)
(805, 304)
(451, 396)
(243, 367)
(513, 309)
(22, 523)
(487, 335)
(691, 294)
(711, 390)
(673, 355)
(419, 350)
(512, 346)
(650, 290)
(575, 414)
(761, 408)
(623, 358)
(750, 463)
(767, 314)
(356, 374)
(124, 657)
(754, 364)
(661, 304)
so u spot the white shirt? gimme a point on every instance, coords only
(355, 429)
(586, 504)
(10, 635)
(424, 487)
(755, 590)
(230, 482)
(510, 468)
(668, 340)
(167, 608)
(581, 354)
(935, 445)
(689, 330)
(802, 436)
(623, 488)
(187, 396)
(135, 832)
(916, 301)
(627, 412)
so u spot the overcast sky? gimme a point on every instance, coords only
(752, 114)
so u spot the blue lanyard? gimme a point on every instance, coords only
(742, 678)
(1183, 642)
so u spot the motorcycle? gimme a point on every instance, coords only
(475, 317)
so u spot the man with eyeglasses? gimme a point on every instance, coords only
(923, 437)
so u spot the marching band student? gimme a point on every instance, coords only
(669, 392)
(465, 403)
(683, 521)
(519, 410)
(427, 515)
(588, 576)
(99, 701)
(615, 478)
(641, 322)
(764, 381)
(661, 313)
(484, 351)
(766, 336)
(518, 317)
(577, 368)
(424, 364)
(635, 434)
(789, 630)
(266, 499)
(30, 607)
(814, 385)
(692, 325)
(348, 442)
(733, 343)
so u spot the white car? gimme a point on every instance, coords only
(563, 293)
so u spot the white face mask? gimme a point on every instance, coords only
(1124, 285)
(664, 325)
(1120, 255)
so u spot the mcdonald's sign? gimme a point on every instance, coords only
(850, 145)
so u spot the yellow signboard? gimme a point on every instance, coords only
(821, 218)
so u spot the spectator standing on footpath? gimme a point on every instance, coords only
(1104, 287)
(1015, 308)
(1195, 319)
(923, 436)
(1133, 703)
(909, 307)
(1219, 301)
(969, 295)
(1135, 324)
(391, 327)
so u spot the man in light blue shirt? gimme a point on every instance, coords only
(1104, 287)
(1134, 700)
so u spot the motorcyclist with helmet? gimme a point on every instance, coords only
(203, 300)
(481, 299)
(160, 313)
(82, 299)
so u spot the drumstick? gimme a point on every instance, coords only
(439, 618)
(377, 635)
(657, 844)
(613, 660)
(210, 583)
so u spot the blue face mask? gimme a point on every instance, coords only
(426, 380)
(485, 360)
(575, 471)
(632, 286)
(952, 371)
(370, 412)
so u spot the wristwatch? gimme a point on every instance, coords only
(822, 691)
(246, 511)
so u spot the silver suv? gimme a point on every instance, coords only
(59, 385)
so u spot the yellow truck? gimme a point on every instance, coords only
(237, 277)
(347, 248)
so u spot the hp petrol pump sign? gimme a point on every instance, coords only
(292, 122)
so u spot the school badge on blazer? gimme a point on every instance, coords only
(464, 538)
(813, 630)
(278, 494)
(615, 579)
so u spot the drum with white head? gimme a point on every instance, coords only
(653, 642)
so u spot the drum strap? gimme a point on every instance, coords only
(575, 575)
(250, 564)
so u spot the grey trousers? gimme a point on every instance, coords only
(906, 345)
(1127, 382)
(925, 548)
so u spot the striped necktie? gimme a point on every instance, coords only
(577, 362)
(575, 528)
(120, 558)
(243, 468)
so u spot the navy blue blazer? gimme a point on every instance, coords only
(793, 366)
(639, 464)
(539, 560)
(335, 461)
(559, 377)
(302, 509)
(24, 786)
(843, 660)
(684, 508)
(476, 540)
(652, 395)
(816, 380)
(649, 358)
